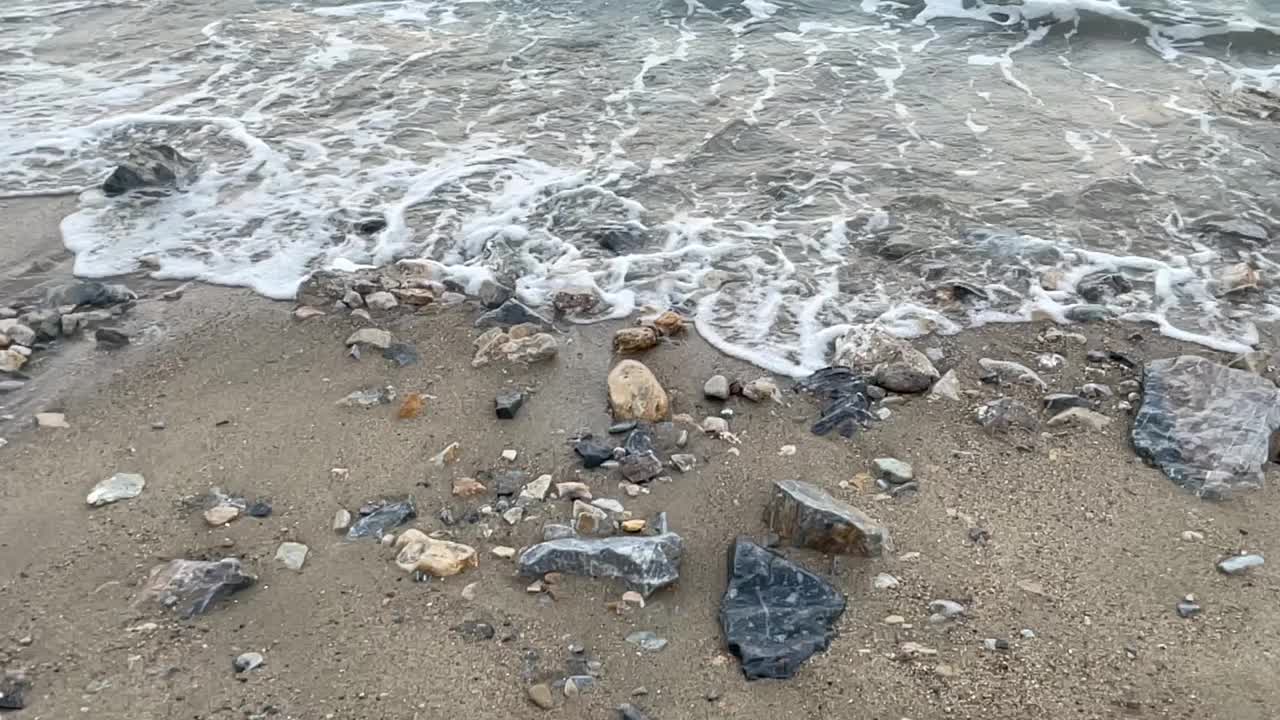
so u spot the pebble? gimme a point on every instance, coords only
(221, 515)
(631, 598)
(913, 650)
(885, 581)
(1096, 391)
(684, 462)
(248, 661)
(573, 491)
(121, 486)
(944, 610)
(510, 455)
(1192, 536)
(306, 313)
(507, 404)
(787, 451)
(1051, 361)
(381, 300)
(537, 489)
(1028, 634)
(647, 641)
(609, 505)
(1188, 607)
(622, 427)
(576, 685)
(632, 489)
(1238, 564)
(994, 644)
(513, 515)
(341, 521)
(717, 387)
(52, 420)
(540, 695)
(292, 555)
(468, 487)
(894, 620)
(470, 591)
(892, 470)
(683, 439)
(373, 337)
(761, 389)
(715, 426)
(352, 299)
(504, 552)
(633, 526)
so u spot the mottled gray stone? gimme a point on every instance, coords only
(806, 516)
(644, 564)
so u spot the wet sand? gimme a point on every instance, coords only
(247, 397)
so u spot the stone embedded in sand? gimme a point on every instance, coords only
(716, 387)
(1006, 371)
(154, 167)
(121, 486)
(684, 462)
(503, 551)
(715, 426)
(668, 323)
(412, 535)
(635, 394)
(948, 387)
(536, 491)
(644, 564)
(219, 515)
(1238, 564)
(292, 555)
(468, 487)
(18, 333)
(369, 397)
(1079, 417)
(306, 313)
(1208, 427)
(774, 613)
(1006, 415)
(807, 516)
(373, 337)
(892, 471)
(1235, 278)
(641, 467)
(341, 521)
(75, 322)
(376, 521)
(449, 454)
(573, 491)
(540, 695)
(110, 338)
(634, 340)
(11, 361)
(192, 586)
(507, 404)
(440, 558)
(591, 520)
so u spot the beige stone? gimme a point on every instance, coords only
(633, 526)
(669, 323)
(468, 487)
(11, 360)
(440, 558)
(635, 394)
(221, 515)
(411, 535)
(635, 339)
(503, 551)
(573, 491)
(306, 313)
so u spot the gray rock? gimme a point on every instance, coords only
(684, 462)
(553, 531)
(591, 520)
(644, 563)
(507, 483)
(374, 337)
(947, 387)
(75, 322)
(368, 397)
(608, 505)
(353, 299)
(192, 586)
(1096, 391)
(1079, 417)
(540, 695)
(906, 377)
(509, 313)
(892, 361)
(1007, 371)
(121, 486)
(1208, 427)
(8, 386)
(892, 471)
(341, 521)
(247, 661)
(19, 334)
(717, 387)
(1238, 564)
(401, 354)
(1055, 403)
(1187, 607)
(625, 426)
(46, 323)
(492, 295)
(943, 610)
(507, 404)
(647, 641)
(1007, 415)
(1088, 313)
(110, 338)
(641, 468)
(292, 555)
(151, 167)
(381, 300)
(806, 516)
(627, 711)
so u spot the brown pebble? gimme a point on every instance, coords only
(540, 695)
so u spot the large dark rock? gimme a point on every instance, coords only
(644, 564)
(158, 167)
(593, 452)
(1208, 427)
(846, 405)
(806, 516)
(381, 518)
(775, 614)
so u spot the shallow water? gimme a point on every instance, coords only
(781, 170)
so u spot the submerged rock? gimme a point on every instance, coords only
(150, 166)
(644, 564)
(774, 613)
(806, 516)
(1208, 427)
(635, 394)
(121, 486)
(192, 586)
(846, 404)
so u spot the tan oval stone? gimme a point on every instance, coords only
(440, 558)
(635, 394)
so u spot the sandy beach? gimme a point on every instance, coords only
(1064, 544)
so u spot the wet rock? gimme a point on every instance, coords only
(892, 471)
(641, 468)
(52, 420)
(439, 558)
(902, 377)
(511, 312)
(1006, 371)
(492, 294)
(1236, 278)
(668, 323)
(762, 389)
(634, 340)
(1099, 288)
(1079, 417)
(1208, 427)
(507, 404)
(635, 394)
(1058, 402)
(1239, 564)
(806, 516)
(620, 240)
(192, 586)
(846, 403)
(593, 452)
(11, 361)
(380, 300)
(1007, 415)
(892, 362)
(774, 613)
(110, 339)
(684, 462)
(247, 661)
(591, 520)
(46, 323)
(540, 695)
(717, 387)
(1088, 313)
(18, 333)
(121, 486)
(644, 563)
(381, 518)
(575, 300)
(401, 354)
(647, 641)
(150, 167)
(373, 337)
(292, 555)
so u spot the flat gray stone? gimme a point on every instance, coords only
(121, 486)
(806, 516)
(292, 555)
(892, 471)
(644, 564)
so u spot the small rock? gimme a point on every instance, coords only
(529, 350)
(948, 387)
(1028, 634)
(11, 361)
(380, 301)
(575, 300)
(1080, 417)
(684, 462)
(1055, 403)
(306, 313)
(894, 620)
(121, 486)
(440, 558)
(892, 471)
(627, 711)
(642, 467)
(633, 526)
(513, 515)
(20, 334)
(401, 354)
(292, 555)
(885, 581)
(808, 517)
(1187, 607)
(647, 641)
(993, 644)
(943, 610)
(668, 323)
(449, 454)
(762, 389)
(635, 394)
(470, 591)
(573, 491)
(540, 695)
(715, 426)
(576, 685)
(510, 455)
(609, 505)
(622, 427)
(1238, 564)
(503, 551)
(341, 521)
(591, 520)
(634, 340)
(1192, 536)
(717, 387)
(631, 598)
(369, 397)
(468, 487)
(259, 509)
(915, 651)
(507, 404)
(553, 531)
(1007, 415)
(373, 337)
(509, 313)
(1096, 391)
(1051, 361)
(247, 661)
(221, 515)
(110, 338)
(1006, 371)
(536, 490)
(592, 452)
